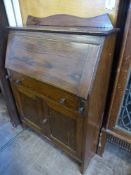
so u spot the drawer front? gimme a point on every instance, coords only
(65, 99)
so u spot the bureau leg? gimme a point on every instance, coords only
(85, 163)
(81, 169)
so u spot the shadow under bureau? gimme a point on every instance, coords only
(59, 77)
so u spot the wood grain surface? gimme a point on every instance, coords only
(36, 55)
(75, 66)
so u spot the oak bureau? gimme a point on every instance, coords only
(59, 69)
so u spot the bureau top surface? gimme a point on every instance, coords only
(65, 61)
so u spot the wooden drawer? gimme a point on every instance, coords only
(65, 99)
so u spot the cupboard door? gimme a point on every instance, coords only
(29, 106)
(65, 128)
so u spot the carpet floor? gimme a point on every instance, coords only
(23, 152)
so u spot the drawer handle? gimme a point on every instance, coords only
(18, 82)
(62, 101)
(44, 121)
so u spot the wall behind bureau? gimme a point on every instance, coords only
(82, 8)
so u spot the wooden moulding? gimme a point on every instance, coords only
(100, 25)
(71, 21)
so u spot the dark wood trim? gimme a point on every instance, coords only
(121, 21)
(119, 76)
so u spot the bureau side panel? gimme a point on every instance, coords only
(96, 101)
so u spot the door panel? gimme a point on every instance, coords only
(29, 106)
(65, 129)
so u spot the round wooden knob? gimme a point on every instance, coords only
(44, 121)
(18, 82)
(62, 101)
(6, 77)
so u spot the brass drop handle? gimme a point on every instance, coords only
(62, 101)
(45, 121)
(18, 82)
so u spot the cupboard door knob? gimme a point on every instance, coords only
(62, 101)
(18, 82)
(44, 121)
(7, 77)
